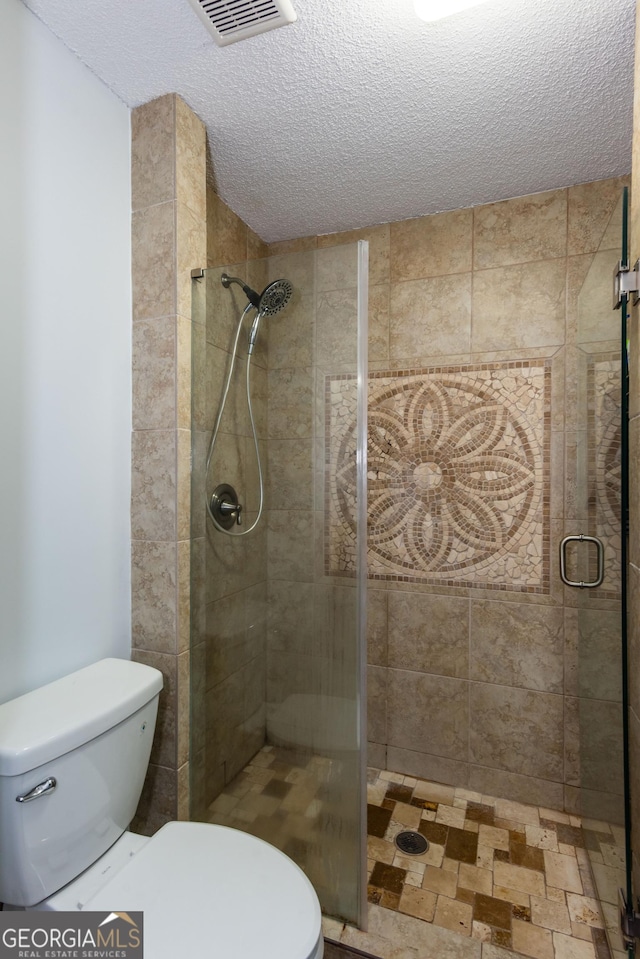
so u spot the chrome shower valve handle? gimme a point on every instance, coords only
(225, 506)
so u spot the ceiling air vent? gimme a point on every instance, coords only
(233, 20)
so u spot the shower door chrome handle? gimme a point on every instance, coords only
(582, 538)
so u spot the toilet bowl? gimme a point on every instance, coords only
(72, 761)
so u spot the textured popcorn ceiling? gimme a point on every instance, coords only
(360, 113)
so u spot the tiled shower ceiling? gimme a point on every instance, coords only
(360, 113)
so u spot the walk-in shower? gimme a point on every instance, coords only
(223, 506)
(278, 732)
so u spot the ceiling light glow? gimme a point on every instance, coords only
(438, 9)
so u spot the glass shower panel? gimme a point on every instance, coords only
(599, 377)
(277, 689)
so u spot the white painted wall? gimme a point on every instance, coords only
(65, 360)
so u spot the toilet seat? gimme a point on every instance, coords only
(209, 890)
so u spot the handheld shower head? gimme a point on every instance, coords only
(272, 299)
(275, 297)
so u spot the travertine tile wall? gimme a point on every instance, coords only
(228, 574)
(468, 685)
(634, 492)
(169, 239)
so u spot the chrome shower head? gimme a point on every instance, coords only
(272, 299)
(275, 297)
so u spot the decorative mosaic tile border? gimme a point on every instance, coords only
(459, 475)
(604, 468)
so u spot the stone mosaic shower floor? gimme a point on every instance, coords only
(499, 879)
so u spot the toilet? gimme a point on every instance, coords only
(73, 759)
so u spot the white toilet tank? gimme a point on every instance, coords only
(91, 732)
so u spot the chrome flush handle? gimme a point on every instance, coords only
(40, 790)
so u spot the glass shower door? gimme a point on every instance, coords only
(278, 729)
(600, 558)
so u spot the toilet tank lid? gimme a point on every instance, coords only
(56, 718)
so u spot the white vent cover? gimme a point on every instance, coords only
(233, 20)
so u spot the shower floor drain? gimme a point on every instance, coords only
(413, 843)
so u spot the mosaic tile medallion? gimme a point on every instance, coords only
(458, 480)
(605, 463)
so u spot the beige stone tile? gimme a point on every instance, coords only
(431, 245)
(226, 233)
(413, 879)
(513, 647)
(453, 915)
(430, 317)
(408, 815)
(519, 878)
(493, 837)
(478, 880)
(256, 247)
(183, 484)
(562, 871)
(159, 801)
(519, 788)
(501, 723)
(299, 245)
(191, 246)
(450, 816)
(380, 850)
(541, 838)
(153, 266)
(186, 582)
(566, 850)
(435, 792)
(567, 947)
(398, 928)
(183, 372)
(418, 701)
(378, 239)
(337, 268)
(332, 928)
(480, 931)
(578, 931)
(430, 633)
(377, 705)
(584, 910)
(163, 752)
(153, 485)
(516, 896)
(484, 858)
(290, 404)
(551, 915)
(496, 952)
(191, 160)
(520, 230)
(418, 902)
(336, 329)
(390, 776)
(152, 152)
(409, 863)
(440, 881)
(556, 895)
(596, 321)
(591, 209)
(153, 593)
(290, 474)
(532, 940)
(535, 291)
(377, 628)
(154, 374)
(379, 308)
